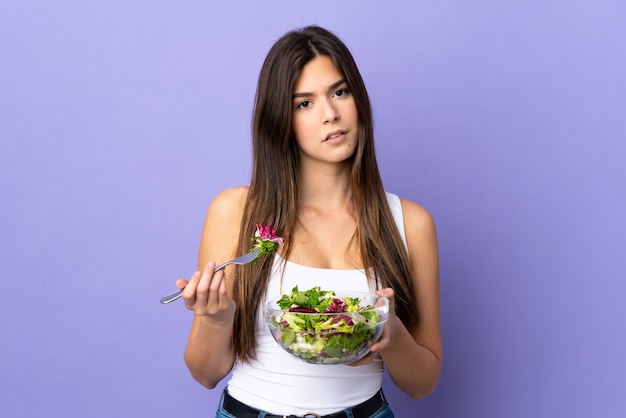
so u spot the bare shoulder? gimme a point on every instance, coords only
(228, 204)
(416, 218)
(421, 233)
(221, 226)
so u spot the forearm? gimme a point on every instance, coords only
(209, 355)
(414, 368)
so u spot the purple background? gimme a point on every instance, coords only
(119, 121)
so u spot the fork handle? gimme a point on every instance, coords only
(177, 294)
(172, 296)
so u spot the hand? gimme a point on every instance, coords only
(206, 294)
(385, 337)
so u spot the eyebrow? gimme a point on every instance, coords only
(331, 87)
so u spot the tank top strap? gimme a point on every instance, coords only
(396, 210)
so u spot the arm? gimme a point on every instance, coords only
(209, 354)
(413, 355)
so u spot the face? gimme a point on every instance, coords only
(325, 120)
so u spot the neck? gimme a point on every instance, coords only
(326, 185)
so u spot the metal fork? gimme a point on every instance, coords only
(244, 259)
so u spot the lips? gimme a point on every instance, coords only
(334, 134)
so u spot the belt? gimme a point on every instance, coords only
(362, 410)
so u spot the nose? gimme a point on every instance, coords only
(330, 112)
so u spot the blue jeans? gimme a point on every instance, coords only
(383, 412)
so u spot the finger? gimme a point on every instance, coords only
(181, 283)
(189, 292)
(389, 294)
(377, 346)
(223, 291)
(214, 297)
(382, 341)
(202, 291)
(386, 292)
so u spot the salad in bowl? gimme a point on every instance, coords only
(327, 327)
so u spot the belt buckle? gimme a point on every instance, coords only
(311, 415)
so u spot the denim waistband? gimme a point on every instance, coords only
(363, 410)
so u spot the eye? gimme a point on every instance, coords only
(342, 92)
(303, 105)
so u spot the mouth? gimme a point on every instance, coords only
(335, 135)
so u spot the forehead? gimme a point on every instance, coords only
(318, 74)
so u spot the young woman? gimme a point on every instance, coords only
(316, 181)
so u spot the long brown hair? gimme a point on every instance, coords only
(273, 192)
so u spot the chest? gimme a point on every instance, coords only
(286, 275)
(329, 242)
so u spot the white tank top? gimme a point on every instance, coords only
(281, 384)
